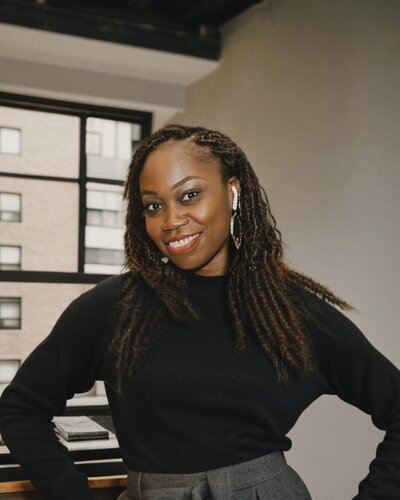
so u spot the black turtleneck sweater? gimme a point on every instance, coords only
(195, 403)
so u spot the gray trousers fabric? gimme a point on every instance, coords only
(265, 478)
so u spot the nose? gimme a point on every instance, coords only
(174, 219)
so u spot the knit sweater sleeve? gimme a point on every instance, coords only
(360, 375)
(68, 361)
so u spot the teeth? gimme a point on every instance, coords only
(183, 242)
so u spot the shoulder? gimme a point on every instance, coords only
(329, 324)
(110, 288)
(105, 293)
(95, 305)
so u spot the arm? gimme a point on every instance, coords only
(66, 362)
(363, 377)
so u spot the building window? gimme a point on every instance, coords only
(10, 141)
(10, 313)
(93, 143)
(10, 207)
(10, 258)
(105, 208)
(104, 218)
(110, 145)
(104, 256)
(8, 369)
(70, 193)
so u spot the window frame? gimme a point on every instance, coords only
(83, 112)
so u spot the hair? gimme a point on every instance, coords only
(261, 288)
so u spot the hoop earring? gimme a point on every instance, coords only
(236, 227)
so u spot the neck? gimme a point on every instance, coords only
(205, 286)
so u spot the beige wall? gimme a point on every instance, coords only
(49, 143)
(41, 305)
(47, 244)
(310, 90)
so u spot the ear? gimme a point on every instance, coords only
(233, 182)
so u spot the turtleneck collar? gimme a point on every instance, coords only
(205, 286)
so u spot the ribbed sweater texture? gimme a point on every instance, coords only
(195, 403)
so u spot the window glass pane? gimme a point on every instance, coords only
(110, 218)
(48, 143)
(93, 143)
(104, 228)
(11, 324)
(8, 368)
(108, 148)
(136, 132)
(9, 308)
(10, 202)
(10, 216)
(10, 207)
(10, 141)
(117, 142)
(104, 256)
(10, 255)
(95, 199)
(112, 201)
(94, 218)
(49, 233)
(124, 138)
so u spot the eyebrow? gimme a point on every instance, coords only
(176, 185)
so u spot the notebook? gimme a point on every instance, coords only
(79, 428)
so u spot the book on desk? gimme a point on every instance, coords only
(98, 456)
(80, 428)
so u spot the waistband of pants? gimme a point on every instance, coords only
(237, 476)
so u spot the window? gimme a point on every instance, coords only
(10, 313)
(104, 207)
(105, 256)
(10, 258)
(104, 218)
(8, 368)
(10, 141)
(105, 214)
(93, 143)
(10, 207)
(109, 147)
(69, 175)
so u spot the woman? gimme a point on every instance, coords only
(210, 346)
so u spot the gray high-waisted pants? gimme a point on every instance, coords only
(265, 478)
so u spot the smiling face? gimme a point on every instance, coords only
(188, 206)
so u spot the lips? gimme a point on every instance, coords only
(177, 246)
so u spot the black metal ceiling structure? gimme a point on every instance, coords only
(180, 26)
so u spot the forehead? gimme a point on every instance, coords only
(174, 160)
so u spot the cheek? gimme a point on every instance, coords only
(218, 222)
(151, 228)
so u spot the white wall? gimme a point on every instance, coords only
(311, 91)
(46, 64)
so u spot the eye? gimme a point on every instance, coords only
(190, 195)
(152, 207)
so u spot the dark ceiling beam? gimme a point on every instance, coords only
(139, 4)
(234, 8)
(186, 12)
(128, 30)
